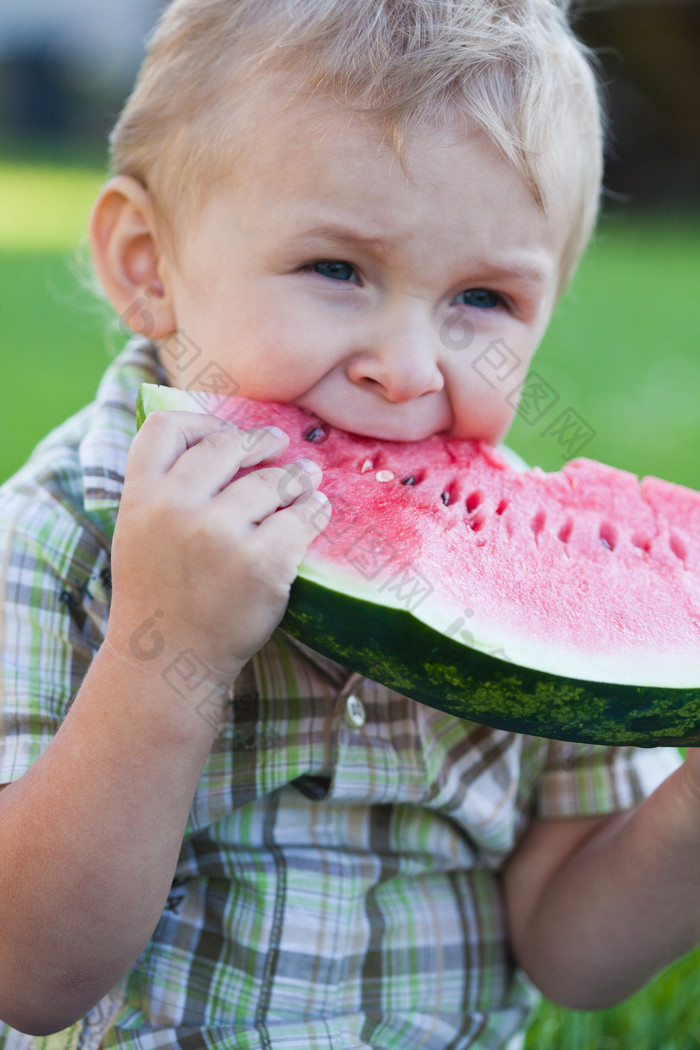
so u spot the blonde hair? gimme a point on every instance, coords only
(512, 67)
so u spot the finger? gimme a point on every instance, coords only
(266, 491)
(292, 529)
(210, 465)
(201, 452)
(164, 437)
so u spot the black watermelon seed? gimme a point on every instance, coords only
(410, 480)
(445, 497)
(316, 435)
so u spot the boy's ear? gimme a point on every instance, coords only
(128, 258)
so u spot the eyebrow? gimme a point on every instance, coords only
(380, 245)
(348, 234)
(526, 272)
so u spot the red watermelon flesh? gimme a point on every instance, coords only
(586, 572)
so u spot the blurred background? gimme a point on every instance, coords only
(66, 65)
(621, 362)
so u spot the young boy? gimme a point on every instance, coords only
(309, 199)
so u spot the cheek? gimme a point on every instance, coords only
(484, 386)
(501, 367)
(276, 361)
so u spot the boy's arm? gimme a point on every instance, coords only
(90, 835)
(89, 839)
(597, 906)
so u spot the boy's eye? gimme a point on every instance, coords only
(335, 269)
(482, 298)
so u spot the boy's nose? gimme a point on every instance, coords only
(402, 361)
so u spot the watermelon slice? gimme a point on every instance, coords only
(564, 605)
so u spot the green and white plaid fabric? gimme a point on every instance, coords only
(338, 884)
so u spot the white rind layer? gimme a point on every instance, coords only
(637, 666)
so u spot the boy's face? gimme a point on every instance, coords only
(390, 304)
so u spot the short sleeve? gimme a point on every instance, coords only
(54, 595)
(588, 780)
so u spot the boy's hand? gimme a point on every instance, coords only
(212, 555)
(598, 905)
(690, 776)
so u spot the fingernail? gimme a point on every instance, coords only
(309, 466)
(275, 432)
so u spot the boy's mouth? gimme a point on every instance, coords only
(388, 429)
(374, 417)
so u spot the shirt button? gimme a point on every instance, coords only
(355, 713)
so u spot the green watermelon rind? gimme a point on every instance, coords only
(391, 645)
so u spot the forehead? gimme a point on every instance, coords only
(287, 137)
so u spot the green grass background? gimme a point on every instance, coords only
(622, 351)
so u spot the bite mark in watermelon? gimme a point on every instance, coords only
(565, 605)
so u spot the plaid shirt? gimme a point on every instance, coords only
(338, 883)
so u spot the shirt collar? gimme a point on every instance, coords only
(112, 427)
